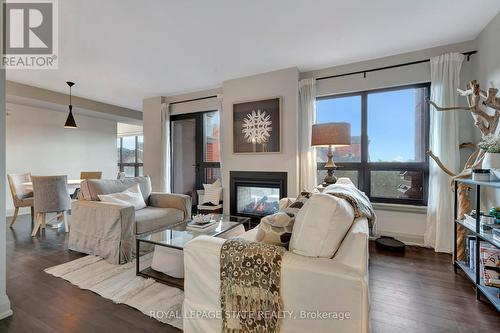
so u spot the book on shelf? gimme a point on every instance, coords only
(468, 250)
(470, 221)
(471, 243)
(490, 264)
(496, 234)
(492, 283)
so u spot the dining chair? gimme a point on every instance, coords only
(50, 196)
(90, 175)
(21, 196)
(86, 175)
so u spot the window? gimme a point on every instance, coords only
(195, 150)
(210, 165)
(130, 155)
(389, 130)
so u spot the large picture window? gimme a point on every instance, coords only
(389, 135)
(130, 155)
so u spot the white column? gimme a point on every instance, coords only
(151, 108)
(5, 310)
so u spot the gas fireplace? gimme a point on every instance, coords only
(256, 194)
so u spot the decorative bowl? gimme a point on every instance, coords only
(202, 218)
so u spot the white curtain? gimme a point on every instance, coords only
(307, 117)
(443, 141)
(165, 167)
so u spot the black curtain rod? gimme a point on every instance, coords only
(467, 54)
(194, 99)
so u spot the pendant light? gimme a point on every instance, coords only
(70, 121)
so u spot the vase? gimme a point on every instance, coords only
(492, 161)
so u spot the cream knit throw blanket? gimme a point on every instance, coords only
(358, 200)
(250, 286)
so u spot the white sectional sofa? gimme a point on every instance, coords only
(310, 286)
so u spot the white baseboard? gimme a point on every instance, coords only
(408, 239)
(5, 310)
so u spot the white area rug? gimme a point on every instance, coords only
(120, 284)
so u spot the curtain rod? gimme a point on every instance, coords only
(193, 100)
(467, 54)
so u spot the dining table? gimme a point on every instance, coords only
(71, 183)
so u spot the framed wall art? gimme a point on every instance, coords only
(257, 126)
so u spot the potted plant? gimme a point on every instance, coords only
(490, 144)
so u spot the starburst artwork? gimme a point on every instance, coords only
(257, 126)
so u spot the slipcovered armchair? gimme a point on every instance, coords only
(109, 230)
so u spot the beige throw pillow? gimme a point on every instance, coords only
(276, 229)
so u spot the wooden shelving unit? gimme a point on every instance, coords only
(489, 292)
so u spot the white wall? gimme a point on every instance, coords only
(37, 142)
(488, 76)
(488, 57)
(283, 83)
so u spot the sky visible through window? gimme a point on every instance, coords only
(391, 122)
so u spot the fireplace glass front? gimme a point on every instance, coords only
(255, 200)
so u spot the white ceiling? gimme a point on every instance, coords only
(121, 51)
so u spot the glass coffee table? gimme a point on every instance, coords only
(177, 236)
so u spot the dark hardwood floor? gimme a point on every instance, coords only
(43, 303)
(417, 292)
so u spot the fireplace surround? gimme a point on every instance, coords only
(256, 194)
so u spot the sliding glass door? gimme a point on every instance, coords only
(195, 151)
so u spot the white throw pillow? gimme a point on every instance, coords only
(130, 197)
(217, 183)
(212, 195)
(321, 225)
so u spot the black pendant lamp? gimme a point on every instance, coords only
(70, 121)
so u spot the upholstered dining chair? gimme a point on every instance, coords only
(21, 196)
(50, 196)
(90, 175)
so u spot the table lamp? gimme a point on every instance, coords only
(331, 135)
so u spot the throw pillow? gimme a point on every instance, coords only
(217, 183)
(299, 202)
(321, 225)
(130, 197)
(276, 229)
(212, 195)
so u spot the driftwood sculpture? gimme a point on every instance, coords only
(487, 124)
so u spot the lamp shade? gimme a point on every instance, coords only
(331, 134)
(70, 121)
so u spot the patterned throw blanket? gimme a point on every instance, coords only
(358, 200)
(250, 286)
